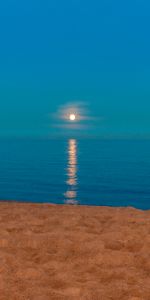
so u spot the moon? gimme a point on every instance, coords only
(72, 117)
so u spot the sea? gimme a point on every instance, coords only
(76, 171)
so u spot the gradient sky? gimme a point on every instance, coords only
(75, 51)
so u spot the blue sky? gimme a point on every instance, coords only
(53, 53)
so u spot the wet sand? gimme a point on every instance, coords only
(56, 252)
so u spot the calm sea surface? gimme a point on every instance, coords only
(74, 171)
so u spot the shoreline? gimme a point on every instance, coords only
(72, 205)
(68, 252)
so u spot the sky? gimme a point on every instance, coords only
(90, 56)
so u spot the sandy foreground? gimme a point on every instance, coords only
(56, 252)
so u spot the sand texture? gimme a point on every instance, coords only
(56, 252)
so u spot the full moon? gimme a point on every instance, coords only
(72, 117)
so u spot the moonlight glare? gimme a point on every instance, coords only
(72, 117)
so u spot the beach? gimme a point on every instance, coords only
(64, 252)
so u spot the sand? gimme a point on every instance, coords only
(56, 252)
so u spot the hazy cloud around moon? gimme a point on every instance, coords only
(84, 118)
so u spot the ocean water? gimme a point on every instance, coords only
(76, 171)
